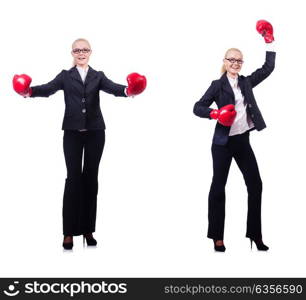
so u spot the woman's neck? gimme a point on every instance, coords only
(234, 76)
(82, 66)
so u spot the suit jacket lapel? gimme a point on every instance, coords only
(75, 74)
(241, 84)
(227, 87)
(91, 74)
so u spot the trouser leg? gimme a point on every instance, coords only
(222, 158)
(73, 149)
(247, 163)
(94, 145)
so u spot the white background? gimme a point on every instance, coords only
(156, 168)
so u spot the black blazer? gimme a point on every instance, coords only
(82, 99)
(221, 92)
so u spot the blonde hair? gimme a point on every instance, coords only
(79, 40)
(223, 69)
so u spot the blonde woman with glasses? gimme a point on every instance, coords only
(236, 116)
(84, 134)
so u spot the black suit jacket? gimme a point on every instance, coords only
(82, 99)
(221, 92)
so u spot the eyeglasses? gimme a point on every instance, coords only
(78, 51)
(233, 60)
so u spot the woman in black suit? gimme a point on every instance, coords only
(237, 115)
(84, 135)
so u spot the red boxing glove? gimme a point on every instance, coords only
(266, 30)
(136, 84)
(225, 115)
(21, 85)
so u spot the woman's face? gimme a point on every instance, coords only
(233, 62)
(81, 52)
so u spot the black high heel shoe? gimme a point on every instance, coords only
(259, 244)
(90, 240)
(68, 245)
(219, 248)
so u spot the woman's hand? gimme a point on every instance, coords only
(136, 84)
(266, 30)
(21, 85)
(225, 115)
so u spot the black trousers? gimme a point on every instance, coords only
(81, 187)
(239, 148)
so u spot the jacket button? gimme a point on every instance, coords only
(252, 116)
(83, 99)
(83, 110)
(250, 105)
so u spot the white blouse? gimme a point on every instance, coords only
(241, 123)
